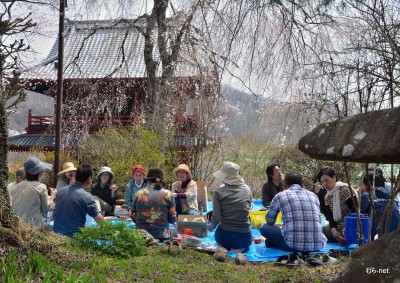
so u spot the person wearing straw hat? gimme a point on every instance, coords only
(134, 185)
(232, 203)
(67, 176)
(30, 199)
(185, 191)
(104, 191)
(154, 207)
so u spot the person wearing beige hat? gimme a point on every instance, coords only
(66, 177)
(185, 191)
(232, 203)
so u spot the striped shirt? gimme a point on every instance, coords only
(345, 197)
(300, 208)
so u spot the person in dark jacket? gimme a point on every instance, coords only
(104, 191)
(274, 184)
(381, 201)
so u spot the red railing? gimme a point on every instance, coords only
(46, 124)
(185, 125)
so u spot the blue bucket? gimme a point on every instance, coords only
(351, 233)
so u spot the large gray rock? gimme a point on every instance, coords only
(373, 137)
(378, 261)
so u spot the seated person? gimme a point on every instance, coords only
(73, 203)
(104, 191)
(19, 177)
(154, 207)
(338, 204)
(67, 176)
(273, 186)
(185, 191)
(134, 185)
(232, 203)
(381, 201)
(320, 191)
(300, 209)
(30, 198)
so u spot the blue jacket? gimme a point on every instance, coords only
(382, 198)
(130, 190)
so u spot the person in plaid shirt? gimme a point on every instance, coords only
(302, 230)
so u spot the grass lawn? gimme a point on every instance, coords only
(48, 257)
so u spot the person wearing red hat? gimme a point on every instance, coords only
(134, 185)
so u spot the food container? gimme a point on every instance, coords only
(257, 218)
(179, 240)
(191, 241)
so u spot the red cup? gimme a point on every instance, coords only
(257, 241)
(122, 217)
(188, 232)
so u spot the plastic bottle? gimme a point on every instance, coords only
(48, 217)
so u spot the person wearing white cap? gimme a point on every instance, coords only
(232, 204)
(30, 199)
(67, 176)
(104, 191)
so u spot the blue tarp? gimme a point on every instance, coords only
(259, 252)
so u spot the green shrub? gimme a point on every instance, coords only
(291, 159)
(112, 239)
(9, 267)
(121, 148)
(253, 158)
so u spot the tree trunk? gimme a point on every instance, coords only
(5, 210)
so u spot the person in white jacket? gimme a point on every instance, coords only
(30, 198)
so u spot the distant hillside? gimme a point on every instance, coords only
(40, 105)
(243, 111)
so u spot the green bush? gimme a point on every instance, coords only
(253, 158)
(112, 239)
(291, 159)
(121, 148)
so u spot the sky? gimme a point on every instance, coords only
(47, 19)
